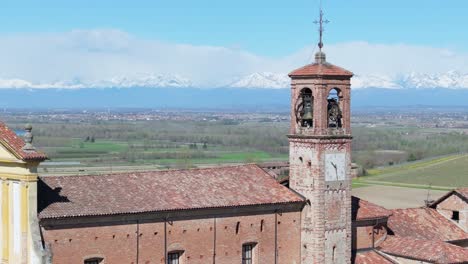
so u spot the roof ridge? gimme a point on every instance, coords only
(148, 171)
(409, 241)
(321, 69)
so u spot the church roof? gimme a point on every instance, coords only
(424, 223)
(363, 210)
(171, 190)
(15, 144)
(424, 250)
(371, 257)
(321, 69)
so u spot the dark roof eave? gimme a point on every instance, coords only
(441, 199)
(168, 211)
(40, 159)
(373, 218)
(324, 76)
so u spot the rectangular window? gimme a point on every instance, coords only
(456, 216)
(173, 258)
(247, 254)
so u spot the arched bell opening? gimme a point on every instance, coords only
(305, 108)
(334, 112)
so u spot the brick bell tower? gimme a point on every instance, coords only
(320, 157)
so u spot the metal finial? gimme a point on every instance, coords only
(28, 138)
(320, 22)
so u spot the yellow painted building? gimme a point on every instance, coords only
(20, 240)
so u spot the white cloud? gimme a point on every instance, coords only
(98, 57)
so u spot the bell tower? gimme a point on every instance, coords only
(320, 157)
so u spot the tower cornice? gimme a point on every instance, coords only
(320, 137)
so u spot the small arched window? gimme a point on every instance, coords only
(94, 261)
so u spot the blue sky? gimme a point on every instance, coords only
(271, 35)
(271, 28)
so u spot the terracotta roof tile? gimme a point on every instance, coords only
(424, 250)
(322, 69)
(125, 193)
(463, 191)
(16, 144)
(424, 223)
(371, 257)
(364, 210)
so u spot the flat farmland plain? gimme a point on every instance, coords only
(410, 185)
(442, 173)
(392, 197)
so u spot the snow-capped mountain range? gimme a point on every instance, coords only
(145, 81)
(262, 80)
(449, 80)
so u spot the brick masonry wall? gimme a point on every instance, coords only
(326, 222)
(363, 236)
(455, 203)
(126, 243)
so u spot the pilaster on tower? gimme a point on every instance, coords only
(320, 159)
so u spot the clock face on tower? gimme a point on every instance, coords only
(335, 166)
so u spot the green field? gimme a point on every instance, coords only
(120, 153)
(440, 173)
(391, 155)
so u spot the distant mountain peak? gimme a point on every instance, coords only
(147, 81)
(374, 81)
(450, 79)
(262, 80)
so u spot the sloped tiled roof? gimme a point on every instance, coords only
(138, 192)
(364, 210)
(320, 69)
(424, 223)
(15, 144)
(371, 257)
(463, 192)
(424, 250)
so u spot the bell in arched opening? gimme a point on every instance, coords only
(307, 108)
